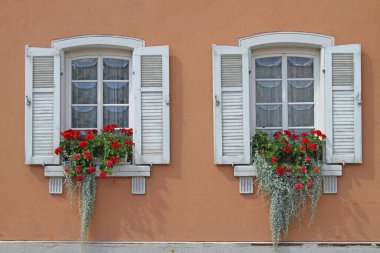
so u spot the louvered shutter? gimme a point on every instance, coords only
(231, 105)
(151, 88)
(42, 102)
(343, 104)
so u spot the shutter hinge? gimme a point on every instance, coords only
(217, 102)
(61, 73)
(323, 70)
(28, 100)
(249, 71)
(133, 72)
(168, 101)
(359, 98)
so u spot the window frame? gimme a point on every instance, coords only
(282, 51)
(98, 53)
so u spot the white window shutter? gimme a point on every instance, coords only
(343, 104)
(231, 105)
(152, 118)
(42, 105)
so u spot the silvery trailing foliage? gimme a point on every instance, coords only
(86, 204)
(288, 173)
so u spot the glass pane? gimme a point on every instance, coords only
(83, 116)
(301, 91)
(269, 67)
(268, 116)
(300, 67)
(84, 93)
(270, 132)
(116, 115)
(268, 91)
(299, 131)
(115, 69)
(115, 93)
(301, 115)
(84, 69)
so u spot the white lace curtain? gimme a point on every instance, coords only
(269, 93)
(114, 92)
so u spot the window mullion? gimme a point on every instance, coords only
(100, 93)
(284, 93)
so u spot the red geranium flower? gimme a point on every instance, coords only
(303, 168)
(303, 134)
(109, 163)
(66, 169)
(307, 159)
(305, 140)
(298, 186)
(83, 144)
(115, 144)
(91, 169)
(103, 174)
(91, 131)
(302, 147)
(58, 150)
(316, 169)
(79, 178)
(89, 137)
(287, 169)
(128, 142)
(310, 184)
(78, 169)
(323, 136)
(76, 156)
(280, 170)
(114, 159)
(312, 146)
(274, 159)
(318, 132)
(87, 155)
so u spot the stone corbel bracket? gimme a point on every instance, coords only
(330, 173)
(137, 172)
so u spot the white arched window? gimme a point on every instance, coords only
(287, 80)
(90, 81)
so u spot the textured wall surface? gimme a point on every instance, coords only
(191, 199)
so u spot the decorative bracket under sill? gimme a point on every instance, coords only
(330, 172)
(137, 172)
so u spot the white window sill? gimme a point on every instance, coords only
(121, 170)
(330, 172)
(137, 172)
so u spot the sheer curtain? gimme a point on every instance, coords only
(269, 89)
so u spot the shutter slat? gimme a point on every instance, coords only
(343, 117)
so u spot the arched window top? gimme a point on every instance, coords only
(287, 38)
(98, 41)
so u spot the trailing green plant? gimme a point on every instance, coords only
(289, 172)
(83, 153)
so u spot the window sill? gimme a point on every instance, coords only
(330, 172)
(137, 172)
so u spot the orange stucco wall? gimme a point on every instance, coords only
(192, 199)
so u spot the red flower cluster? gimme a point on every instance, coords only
(109, 128)
(115, 144)
(71, 134)
(128, 132)
(128, 142)
(58, 150)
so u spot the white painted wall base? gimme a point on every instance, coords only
(75, 247)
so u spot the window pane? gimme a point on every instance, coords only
(84, 93)
(300, 67)
(299, 131)
(115, 69)
(116, 115)
(84, 69)
(270, 132)
(268, 91)
(301, 91)
(268, 116)
(83, 117)
(301, 115)
(269, 67)
(115, 93)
